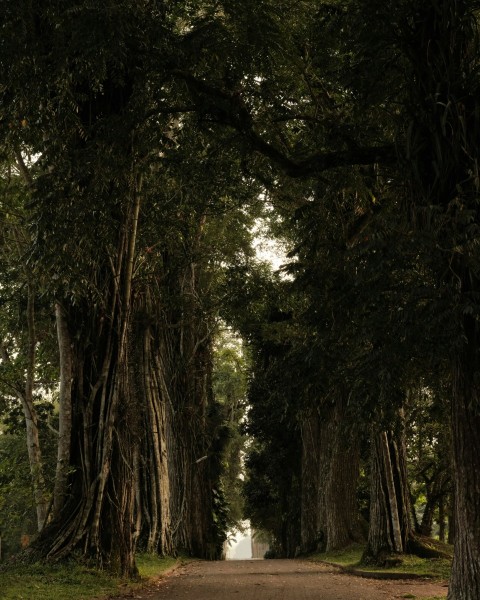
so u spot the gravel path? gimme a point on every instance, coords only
(279, 580)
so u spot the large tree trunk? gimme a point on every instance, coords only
(443, 47)
(153, 524)
(190, 449)
(330, 471)
(341, 511)
(310, 486)
(96, 519)
(465, 579)
(184, 404)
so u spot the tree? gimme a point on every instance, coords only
(25, 336)
(443, 108)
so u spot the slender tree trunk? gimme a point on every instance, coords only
(435, 498)
(65, 411)
(31, 419)
(441, 519)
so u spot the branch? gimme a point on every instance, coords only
(22, 167)
(231, 110)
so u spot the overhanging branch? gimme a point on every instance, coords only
(229, 109)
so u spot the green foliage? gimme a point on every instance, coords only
(429, 451)
(213, 107)
(229, 388)
(18, 524)
(272, 481)
(17, 505)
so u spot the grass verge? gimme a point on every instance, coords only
(74, 582)
(437, 568)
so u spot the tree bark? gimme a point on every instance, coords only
(390, 525)
(330, 471)
(97, 516)
(31, 418)
(310, 487)
(465, 579)
(153, 502)
(65, 411)
(443, 53)
(342, 517)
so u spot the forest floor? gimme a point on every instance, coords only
(280, 580)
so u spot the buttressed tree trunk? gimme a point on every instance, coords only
(153, 517)
(330, 471)
(187, 363)
(96, 518)
(390, 525)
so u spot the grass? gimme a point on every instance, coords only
(150, 565)
(438, 568)
(74, 582)
(348, 557)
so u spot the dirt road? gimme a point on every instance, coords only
(279, 580)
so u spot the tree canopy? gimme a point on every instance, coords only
(140, 144)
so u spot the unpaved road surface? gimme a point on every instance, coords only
(279, 580)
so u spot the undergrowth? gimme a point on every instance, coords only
(73, 581)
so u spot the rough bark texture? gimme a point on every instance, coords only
(177, 466)
(190, 437)
(390, 525)
(310, 488)
(342, 517)
(330, 471)
(97, 516)
(465, 579)
(153, 519)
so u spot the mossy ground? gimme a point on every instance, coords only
(438, 568)
(73, 581)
